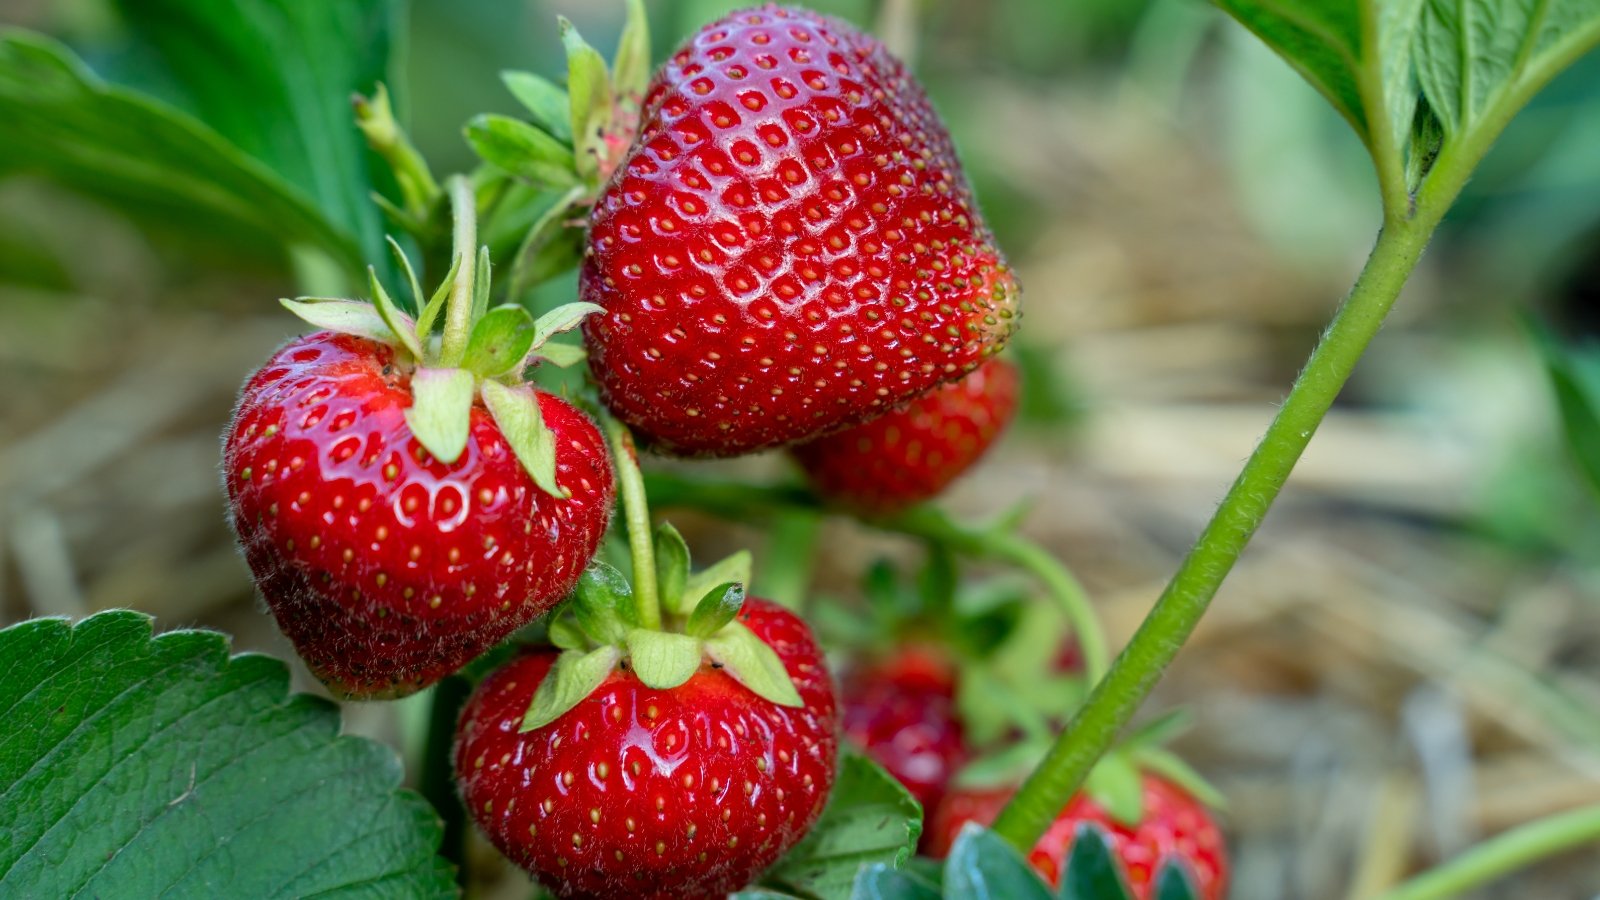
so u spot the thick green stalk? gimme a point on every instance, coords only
(636, 510)
(1117, 696)
(1502, 854)
(458, 309)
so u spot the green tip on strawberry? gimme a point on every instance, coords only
(599, 630)
(405, 500)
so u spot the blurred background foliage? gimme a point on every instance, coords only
(1184, 213)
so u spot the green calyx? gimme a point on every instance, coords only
(480, 355)
(1116, 782)
(598, 630)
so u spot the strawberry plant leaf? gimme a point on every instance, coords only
(1174, 769)
(561, 355)
(530, 266)
(480, 284)
(661, 659)
(564, 318)
(589, 92)
(275, 79)
(753, 664)
(403, 262)
(1575, 377)
(343, 316)
(521, 150)
(734, 568)
(403, 329)
(672, 568)
(500, 341)
(871, 819)
(881, 882)
(516, 411)
(982, 866)
(1173, 882)
(429, 314)
(631, 65)
(440, 416)
(140, 765)
(1115, 784)
(575, 676)
(715, 610)
(544, 101)
(147, 157)
(603, 603)
(1091, 872)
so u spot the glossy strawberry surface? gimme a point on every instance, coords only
(386, 568)
(913, 453)
(687, 792)
(1175, 826)
(790, 247)
(902, 713)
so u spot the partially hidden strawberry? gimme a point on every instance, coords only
(790, 247)
(402, 513)
(901, 711)
(1172, 827)
(675, 763)
(913, 453)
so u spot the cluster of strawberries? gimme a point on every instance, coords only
(787, 256)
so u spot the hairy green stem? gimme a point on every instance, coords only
(458, 309)
(636, 510)
(742, 501)
(1117, 696)
(1502, 854)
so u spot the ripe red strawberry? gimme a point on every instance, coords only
(791, 246)
(902, 713)
(387, 568)
(912, 454)
(1174, 826)
(689, 791)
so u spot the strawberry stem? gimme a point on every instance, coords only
(1501, 855)
(636, 512)
(458, 309)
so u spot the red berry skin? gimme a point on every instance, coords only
(790, 248)
(914, 453)
(388, 569)
(901, 712)
(1175, 826)
(636, 792)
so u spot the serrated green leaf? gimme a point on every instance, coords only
(631, 66)
(589, 92)
(403, 262)
(399, 325)
(982, 866)
(440, 416)
(1173, 882)
(521, 150)
(1115, 783)
(752, 663)
(881, 882)
(871, 819)
(672, 569)
(1092, 872)
(564, 318)
(148, 158)
(429, 316)
(342, 316)
(544, 101)
(663, 660)
(275, 79)
(500, 342)
(573, 678)
(140, 766)
(516, 411)
(1575, 377)
(561, 355)
(734, 568)
(715, 610)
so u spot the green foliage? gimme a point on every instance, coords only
(140, 766)
(871, 820)
(982, 866)
(1575, 376)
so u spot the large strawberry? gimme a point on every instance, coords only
(913, 453)
(791, 246)
(901, 711)
(406, 505)
(1170, 825)
(659, 763)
